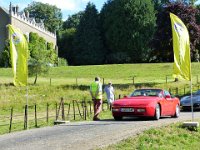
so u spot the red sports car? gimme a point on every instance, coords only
(147, 103)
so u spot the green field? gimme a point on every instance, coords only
(72, 82)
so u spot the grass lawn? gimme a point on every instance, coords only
(170, 137)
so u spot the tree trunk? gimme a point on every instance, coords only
(35, 79)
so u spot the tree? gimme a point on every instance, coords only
(40, 58)
(128, 27)
(66, 37)
(162, 42)
(73, 20)
(51, 15)
(88, 43)
(159, 3)
(65, 44)
(5, 55)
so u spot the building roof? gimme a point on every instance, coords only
(5, 10)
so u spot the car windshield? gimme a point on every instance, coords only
(146, 92)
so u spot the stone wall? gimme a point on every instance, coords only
(3, 31)
(27, 27)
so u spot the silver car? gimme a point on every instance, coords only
(185, 101)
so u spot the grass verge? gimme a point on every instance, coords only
(170, 137)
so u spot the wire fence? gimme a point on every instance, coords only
(34, 116)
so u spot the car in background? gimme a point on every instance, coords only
(154, 103)
(185, 101)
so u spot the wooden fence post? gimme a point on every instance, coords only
(50, 81)
(78, 109)
(119, 96)
(59, 110)
(74, 110)
(35, 115)
(90, 107)
(85, 111)
(11, 116)
(25, 117)
(56, 111)
(63, 108)
(47, 113)
(68, 111)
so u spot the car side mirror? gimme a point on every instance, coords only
(167, 96)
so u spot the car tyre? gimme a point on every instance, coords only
(117, 118)
(177, 112)
(157, 112)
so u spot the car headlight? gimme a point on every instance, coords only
(141, 110)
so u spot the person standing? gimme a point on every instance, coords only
(96, 94)
(110, 94)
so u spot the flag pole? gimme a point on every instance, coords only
(27, 106)
(192, 110)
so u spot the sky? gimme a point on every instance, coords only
(68, 7)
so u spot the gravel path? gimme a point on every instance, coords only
(81, 135)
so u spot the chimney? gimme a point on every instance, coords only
(13, 10)
(10, 8)
(17, 9)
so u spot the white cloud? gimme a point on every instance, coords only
(71, 5)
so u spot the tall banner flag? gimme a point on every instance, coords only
(19, 56)
(181, 47)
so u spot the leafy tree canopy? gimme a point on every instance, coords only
(65, 44)
(162, 42)
(42, 55)
(51, 15)
(73, 20)
(88, 43)
(128, 26)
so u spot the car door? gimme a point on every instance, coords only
(169, 103)
(164, 103)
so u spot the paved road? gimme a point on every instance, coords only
(80, 136)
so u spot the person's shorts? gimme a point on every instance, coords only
(110, 101)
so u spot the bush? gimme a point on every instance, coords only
(5, 59)
(62, 62)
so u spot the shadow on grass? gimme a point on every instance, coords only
(6, 84)
(117, 86)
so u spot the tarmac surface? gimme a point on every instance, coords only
(84, 135)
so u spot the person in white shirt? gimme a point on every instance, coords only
(110, 94)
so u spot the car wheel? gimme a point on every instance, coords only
(117, 118)
(157, 112)
(177, 112)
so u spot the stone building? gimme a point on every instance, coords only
(22, 21)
